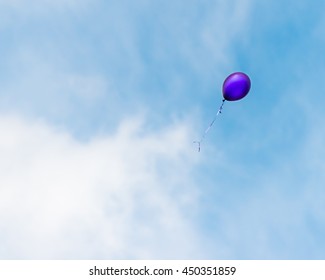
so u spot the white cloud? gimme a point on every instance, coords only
(128, 195)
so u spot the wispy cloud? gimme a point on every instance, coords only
(127, 195)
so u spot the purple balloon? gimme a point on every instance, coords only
(236, 86)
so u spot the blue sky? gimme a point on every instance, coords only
(100, 102)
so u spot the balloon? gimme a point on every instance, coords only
(236, 86)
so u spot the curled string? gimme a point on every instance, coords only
(209, 127)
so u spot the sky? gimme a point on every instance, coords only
(100, 102)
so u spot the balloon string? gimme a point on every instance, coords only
(209, 127)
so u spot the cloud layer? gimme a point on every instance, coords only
(126, 195)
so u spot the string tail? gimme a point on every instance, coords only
(209, 127)
(198, 145)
